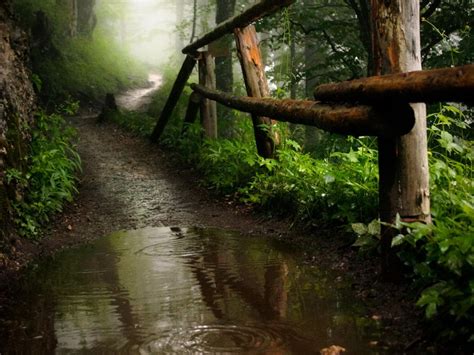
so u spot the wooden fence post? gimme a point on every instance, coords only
(207, 78)
(257, 86)
(194, 105)
(181, 80)
(403, 161)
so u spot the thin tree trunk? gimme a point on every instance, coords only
(207, 79)
(179, 20)
(224, 73)
(193, 30)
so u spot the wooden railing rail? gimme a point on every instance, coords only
(445, 84)
(342, 119)
(249, 16)
(387, 106)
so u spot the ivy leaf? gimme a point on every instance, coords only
(398, 240)
(359, 228)
(374, 228)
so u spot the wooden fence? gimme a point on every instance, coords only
(386, 106)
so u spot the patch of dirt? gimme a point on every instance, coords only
(128, 183)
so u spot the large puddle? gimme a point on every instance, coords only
(185, 291)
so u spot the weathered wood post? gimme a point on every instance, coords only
(194, 104)
(403, 161)
(207, 78)
(178, 86)
(257, 86)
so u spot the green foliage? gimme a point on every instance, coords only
(228, 165)
(87, 67)
(50, 178)
(83, 66)
(340, 188)
(441, 255)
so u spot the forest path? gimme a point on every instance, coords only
(139, 99)
(128, 183)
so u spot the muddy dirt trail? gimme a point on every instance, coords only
(129, 183)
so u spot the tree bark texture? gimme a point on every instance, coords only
(256, 83)
(224, 72)
(179, 20)
(342, 119)
(176, 91)
(207, 79)
(403, 161)
(446, 84)
(252, 14)
(86, 18)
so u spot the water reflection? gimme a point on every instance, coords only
(162, 290)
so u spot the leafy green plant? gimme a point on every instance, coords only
(441, 255)
(325, 190)
(50, 177)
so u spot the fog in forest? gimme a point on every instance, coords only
(151, 30)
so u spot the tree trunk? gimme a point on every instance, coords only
(224, 73)
(312, 135)
(179, 20)
(86, 19)
(403, 161)
(207, 79)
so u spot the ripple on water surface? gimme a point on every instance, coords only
(185, 290)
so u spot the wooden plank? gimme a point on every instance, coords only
(257, 86)
(207, 79)
(178, 87)
(403, 161)
(446, 84)
(194, 104)
(342, 119)
(252, 14)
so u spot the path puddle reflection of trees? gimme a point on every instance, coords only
(162, 290)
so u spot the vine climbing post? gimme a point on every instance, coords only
(403, 161)
(207, 78)
(257, 86)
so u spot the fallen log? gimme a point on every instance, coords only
(446, 84)
(343, 119)
(252, 14)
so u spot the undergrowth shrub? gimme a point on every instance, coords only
(50, 178)
(441, 255)
(88, 68)
(342, 187)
